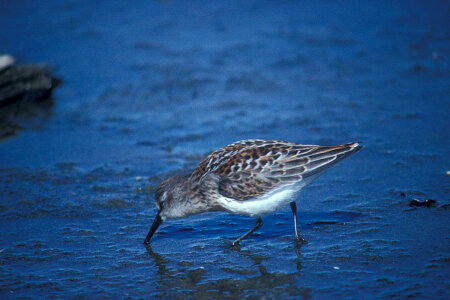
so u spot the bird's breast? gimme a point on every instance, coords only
(262, 205)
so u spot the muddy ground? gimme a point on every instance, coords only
(151, 87)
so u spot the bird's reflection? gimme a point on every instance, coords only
(159, 260)
(173, 277)
(258, 259)
(298, 261)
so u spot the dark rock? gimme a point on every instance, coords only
(25, 91)
(25, 83)
(422, 203)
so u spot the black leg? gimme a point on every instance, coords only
(294, 213)
(152, 230)
(258, 224)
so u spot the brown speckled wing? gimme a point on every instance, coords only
(250, 168)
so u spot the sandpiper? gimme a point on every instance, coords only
(249, 177)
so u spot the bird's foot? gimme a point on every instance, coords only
(300, 240)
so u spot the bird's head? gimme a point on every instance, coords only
(170, 198)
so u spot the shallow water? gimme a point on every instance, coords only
(151, 88)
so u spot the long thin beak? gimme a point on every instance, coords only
(155, 226)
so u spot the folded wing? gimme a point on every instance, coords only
(250, 168)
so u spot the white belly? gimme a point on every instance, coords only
(259, 207)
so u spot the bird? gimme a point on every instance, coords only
(252, 177)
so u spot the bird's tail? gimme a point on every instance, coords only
(323, 157)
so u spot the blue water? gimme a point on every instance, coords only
(151, 87)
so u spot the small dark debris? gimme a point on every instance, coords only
(444, 207)
(418, 68)
(145, 143)
(327, 223)
(422, 203)
(184, 229)
(402, 194)
(410, 209)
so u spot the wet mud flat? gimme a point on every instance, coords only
(150, 89)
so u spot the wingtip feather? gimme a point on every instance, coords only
(356, 146)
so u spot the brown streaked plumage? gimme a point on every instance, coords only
(250, 177)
